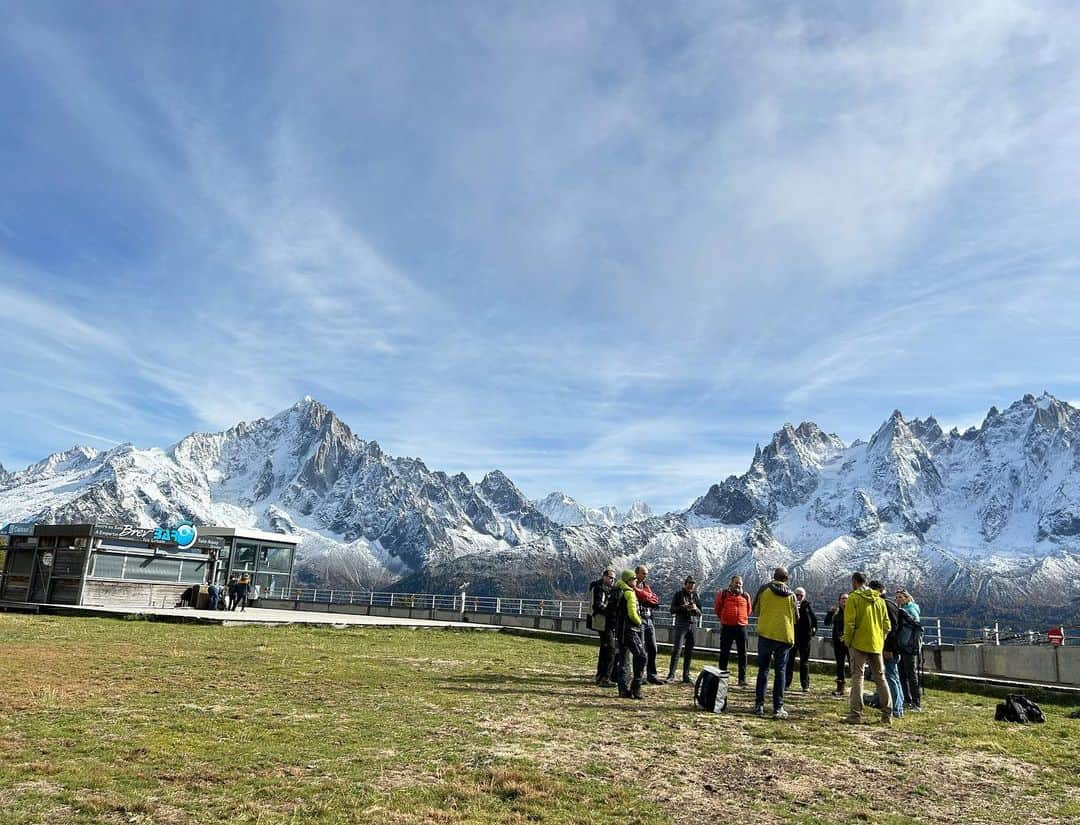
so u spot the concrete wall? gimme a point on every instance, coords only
(1023, 663)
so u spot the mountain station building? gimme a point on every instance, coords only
(106, 564)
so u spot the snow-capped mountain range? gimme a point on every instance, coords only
(981, 522)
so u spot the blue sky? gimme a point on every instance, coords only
(605, 247)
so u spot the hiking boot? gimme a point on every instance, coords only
(670, 678)
(635, 691)
(780, 713)
(851, 719)
(606, 683)
(686, 680)
(653, 680)
(886, 717)
(759, 710)
(744, 683)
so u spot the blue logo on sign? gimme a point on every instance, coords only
(185, 534)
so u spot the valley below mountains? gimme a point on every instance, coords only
(983, 523)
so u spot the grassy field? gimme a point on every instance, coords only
(108, 721)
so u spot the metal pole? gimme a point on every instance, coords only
(997, 634)
(939, 632)
(498, 604)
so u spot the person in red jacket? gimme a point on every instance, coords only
(647, 602)
(732, 608)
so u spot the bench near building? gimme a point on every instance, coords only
(104, 564)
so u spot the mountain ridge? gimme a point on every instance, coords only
(987, 518)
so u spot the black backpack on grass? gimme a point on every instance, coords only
(1018, 708)
(711, 690)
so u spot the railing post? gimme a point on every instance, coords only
(370, 598)
(997, 634)
(521, 607)
(463, 603)
(350, 597)
(314, 594)
(391, 599)
(498, 604)
(560, 610)
(939, 632)
(331, 597)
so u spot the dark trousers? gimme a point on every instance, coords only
(776, 652)
(840, 653)
(649, 639)
(802, 647)
(683, 640)
(737, 634)
(909, 679)
(631, 645)
(605, 659)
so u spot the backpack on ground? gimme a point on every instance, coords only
(909, 634)
(1033, 711)
(711, 690)
(1018, 708)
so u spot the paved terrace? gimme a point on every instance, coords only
(251, 616)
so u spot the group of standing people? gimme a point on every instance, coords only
(237, 593)
(622, 613)
(869, 631)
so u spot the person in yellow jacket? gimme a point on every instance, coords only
(630, 636)
(866, 624)
(774, 605)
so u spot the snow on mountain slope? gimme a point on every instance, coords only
(562, 509)
(973, 521)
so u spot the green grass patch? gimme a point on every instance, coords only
(107, 721)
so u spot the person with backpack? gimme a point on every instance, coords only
(732, 608)
(909, 642)
(774, 605)
(866, 623)
(630, 633)
(891, 652)
(805, 631)
(600, 591)
(686, 608)
(835, 617)
(647, 602)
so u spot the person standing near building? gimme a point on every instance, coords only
(647, 602)
(866, 623)
(805, 631)
(230, 590)
(732, 608)
(774, 605)
(835, 617)
(601, 592)
(629, 630)
(686, 608)
(242, 588)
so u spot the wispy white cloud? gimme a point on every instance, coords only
(603, 247)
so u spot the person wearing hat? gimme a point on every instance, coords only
(686, 609)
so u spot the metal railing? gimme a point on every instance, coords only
(937, 630)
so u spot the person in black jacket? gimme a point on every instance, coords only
(686, 609)
(600, 591)
(805, 630)
(835, 617)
